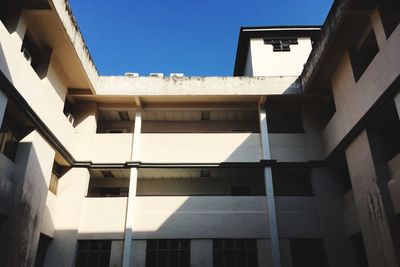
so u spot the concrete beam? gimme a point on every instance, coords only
(269, 189)
(127, 254)
(197, 86)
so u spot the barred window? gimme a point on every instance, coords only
(235, 252)
(55, 175)
(168, 253)
(93, 253)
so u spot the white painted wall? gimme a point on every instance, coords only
(111, 148)
(40, 97)
(200, 217)
(103, 218)
(265, 62)
(204, 147)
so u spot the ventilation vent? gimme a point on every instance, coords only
(159, 75)
(281, 44)
(131, 74)
(107, 174)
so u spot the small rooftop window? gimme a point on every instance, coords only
(281, 44)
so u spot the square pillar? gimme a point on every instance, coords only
(397, 103)
(269, 187)
(369, 202)
(3, 105)
(201, 253)
(129, 252)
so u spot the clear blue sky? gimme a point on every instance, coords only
(196, 37)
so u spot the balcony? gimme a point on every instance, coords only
(200, 147)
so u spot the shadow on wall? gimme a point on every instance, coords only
(21, 230)
(4, 65)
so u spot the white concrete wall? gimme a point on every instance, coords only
(204, 147)
(111, 148)
(31, 178)
(353, 99)
(103, 218)
(266, 62)
(297, 217)
(40, 96)
(72, 189)
(200, 217)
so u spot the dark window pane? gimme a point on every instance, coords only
(228, 244)
(185, 244)
(185, 258)
(217, 244)
(252, 259)
(174, 244)
(163, 244)
(217, 258)
(151, 244)
(151, 259)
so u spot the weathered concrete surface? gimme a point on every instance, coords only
(328, 34)
(369, 201)
(197, 86)
(7, 187)
(34, 161)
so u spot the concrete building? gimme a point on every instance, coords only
(294, 161)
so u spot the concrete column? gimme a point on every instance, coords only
(85, 124)
(201, 253)
(72, 190)
(33, 164)
(370, 208)
(264, 252)
(132, 192)
(329, 199)
(138, 259)
(286, 253)
(3, 105)
(397, 103)
(269, 189)
(117, 248)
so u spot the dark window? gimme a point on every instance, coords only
(328, 108)
(8, 142)
(38, 58)
(284, 115)
(389, 11)
(41, 250)
(108, 192)
(307, 252)
(55, 176)
(363, 54)
(93, 253)
(168, 253)
(281, 44)
(359, 250)
(240, 191)
(291, 181)
(235, 253)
